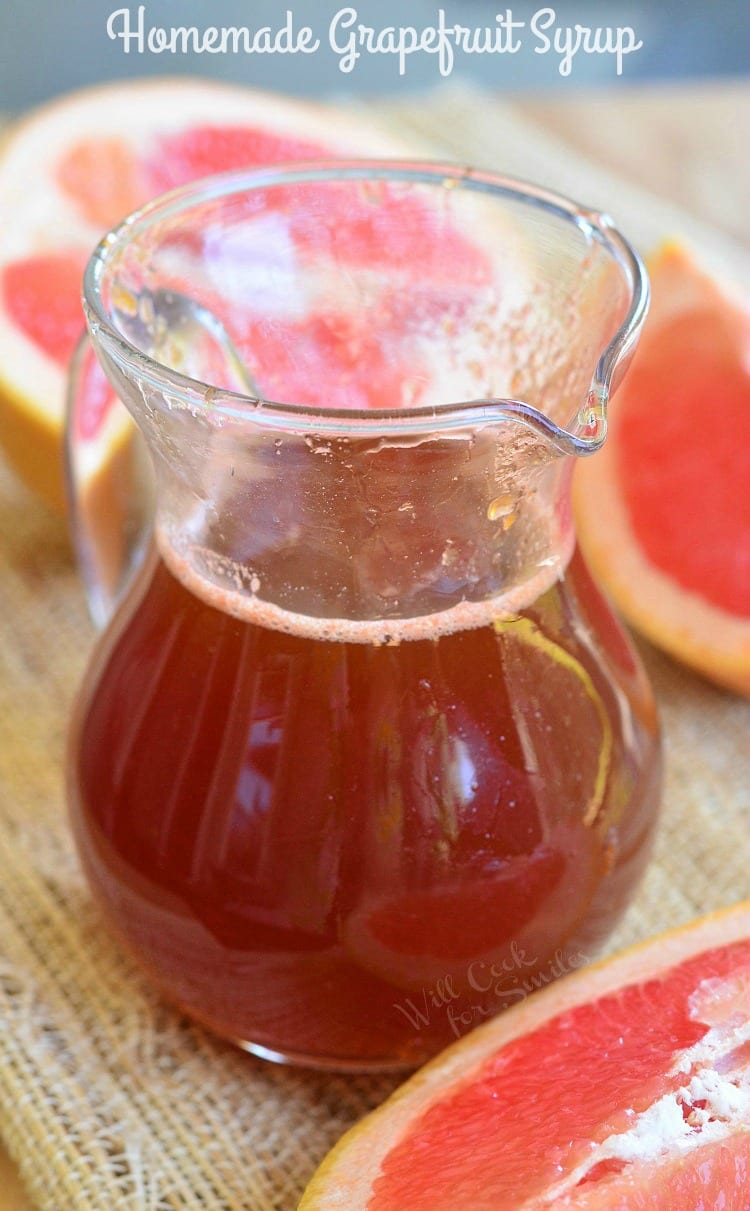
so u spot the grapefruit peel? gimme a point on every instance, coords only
(526, 631)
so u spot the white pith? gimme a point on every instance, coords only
(677, 1123)
(663, 1131)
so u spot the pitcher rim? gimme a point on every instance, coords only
(582, 437)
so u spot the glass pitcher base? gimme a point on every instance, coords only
(341, 855)
(315, 1063)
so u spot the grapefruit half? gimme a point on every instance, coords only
(625, 1085)
(663, 511)
(74, 168)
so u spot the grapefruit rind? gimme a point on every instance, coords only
(47, 219)
(345, 1179)
(693, 630)
(33, 445)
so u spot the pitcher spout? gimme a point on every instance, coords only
(404, 356)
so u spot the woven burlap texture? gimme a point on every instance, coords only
(108, 1099)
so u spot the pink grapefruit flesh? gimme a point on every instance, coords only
(41, 295)
(663, 511)
(578, 1080)
(685, 416)
(623, 1086)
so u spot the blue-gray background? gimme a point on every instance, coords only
(47, 46)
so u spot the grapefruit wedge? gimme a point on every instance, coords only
(74, 168)
(663, 512)
(625, 1085)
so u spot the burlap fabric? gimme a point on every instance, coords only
(108, 1099)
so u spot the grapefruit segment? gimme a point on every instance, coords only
(694, 533)
(75, 167)
(41, 297)
(663, 512)
(96, 399)
(102, 179)
(184, 156)
(395, 230)
(623, 1085)
(329, 359)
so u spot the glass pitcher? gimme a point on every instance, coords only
(363, 756)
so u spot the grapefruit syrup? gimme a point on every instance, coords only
(364, 757)
(347, 852)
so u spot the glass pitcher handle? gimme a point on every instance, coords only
(110, 485)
